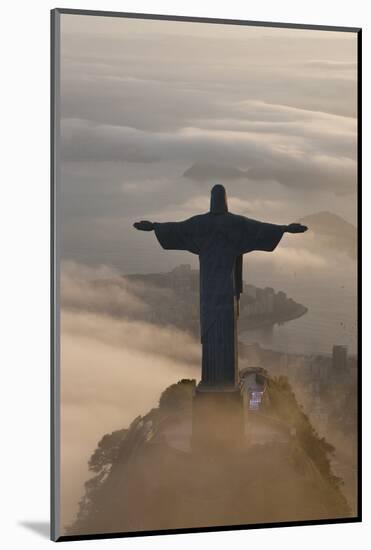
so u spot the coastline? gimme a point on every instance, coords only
(271, 320)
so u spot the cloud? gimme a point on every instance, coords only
(127, 334)
(142, 101)
(98, 290)
(84, 140)
(329, 64)
(101, 304)
(128, 74)
(296, 258)
(103, 388)
(112, 369)
(265, 156)
(293, 127)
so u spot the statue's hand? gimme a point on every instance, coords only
(144, 225)
(296, 228)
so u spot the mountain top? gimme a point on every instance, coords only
(333, 232)
(145, 479)
(328, 222)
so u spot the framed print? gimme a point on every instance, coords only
(205, 274)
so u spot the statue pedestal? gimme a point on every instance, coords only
(217, 419)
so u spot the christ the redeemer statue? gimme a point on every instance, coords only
(220, 239)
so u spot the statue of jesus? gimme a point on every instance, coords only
(220, 239)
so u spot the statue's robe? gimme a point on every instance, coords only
(219, 240)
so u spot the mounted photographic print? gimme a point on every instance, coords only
(205, 213)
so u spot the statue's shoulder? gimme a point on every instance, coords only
(199, 219)
(235, 219)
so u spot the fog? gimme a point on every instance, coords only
(143, 101)
(111, 370)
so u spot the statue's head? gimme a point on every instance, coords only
(218, 200)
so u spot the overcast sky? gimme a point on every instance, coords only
(142, 101)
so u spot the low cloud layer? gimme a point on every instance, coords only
(318, 156)
(111, 369)
(143, 101)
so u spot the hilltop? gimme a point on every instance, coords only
(146, 476)
(333, 232)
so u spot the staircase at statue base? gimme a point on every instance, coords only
(217, 419)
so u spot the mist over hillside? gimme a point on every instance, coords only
(147, 475)
(333, 231)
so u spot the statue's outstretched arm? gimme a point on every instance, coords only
(294, 228)
(173, 235)
(144, 225)
(256, 235)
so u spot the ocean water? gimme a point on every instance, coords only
(331, 317)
